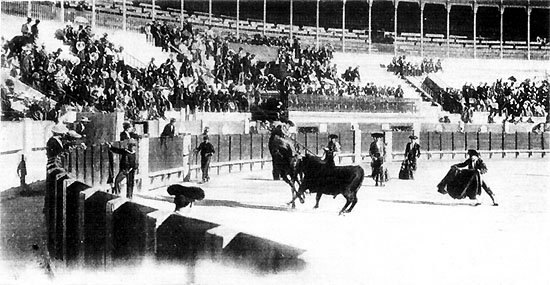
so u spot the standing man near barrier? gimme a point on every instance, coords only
(127, 167)
(22, 172)
(128, 132)
(55, 146)
(412, 152)
(207, 150)
(377, 153)
(169, 130)
(332, 150)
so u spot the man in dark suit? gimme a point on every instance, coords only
(412, 152)
(81, 126)
(128, 132)
(127, 167)
(206, 150)
(169, 129)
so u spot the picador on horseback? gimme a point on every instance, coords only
(285, 159)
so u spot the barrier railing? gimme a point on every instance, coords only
(304, 102)
(439, 144)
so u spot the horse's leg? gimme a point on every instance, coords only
(317, 199)
(292, 189)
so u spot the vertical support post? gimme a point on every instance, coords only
(265, 16)
(440, 146)
(343, 25)
(262, 151)
(475, 30)
(396, 4)
(238, 16)
(516, 144)
(529, 143)
(210, 14)
(490, 145)
(465, 143)
(529, 34)
(542, 144)
(501, 31)
(124, 16)
(428, 146)
(291, 18)
(182, 14)
(153, 12)
(100, 163)
(94, 15)
(62, 8)
(422, 29)
(29, 9)
(240, 151)
(356, 145)
(251, 152)
(477, 141)
(388, 139)
(317, 25)
(502, 144)
(143, 167)
(449, 7)
(229, 151)
(370, 26)
(453, 145)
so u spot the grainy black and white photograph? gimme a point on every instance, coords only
(275, 142)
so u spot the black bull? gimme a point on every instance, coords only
(322, 178)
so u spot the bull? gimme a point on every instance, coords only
(322, 178)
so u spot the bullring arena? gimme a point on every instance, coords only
(63, 224)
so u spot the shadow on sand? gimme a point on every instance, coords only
(234, 204)
(427, 203)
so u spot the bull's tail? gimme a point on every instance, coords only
(356, 184)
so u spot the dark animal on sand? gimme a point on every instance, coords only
(322, 178)
(185, 195)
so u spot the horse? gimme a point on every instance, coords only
(16, 44)
(285, 161)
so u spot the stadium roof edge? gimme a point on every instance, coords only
(531, 3)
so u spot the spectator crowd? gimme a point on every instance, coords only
(507, 98)
(403, 67)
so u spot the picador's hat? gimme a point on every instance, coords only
(473, 152)
(377, 135)
(333, 136)
(413, 137)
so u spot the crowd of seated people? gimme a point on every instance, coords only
(94, 77)
(403, 67)
(507, 98)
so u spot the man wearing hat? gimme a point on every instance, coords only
(80, 126)
(127, 167)
(169, 129)
(474, 162)
(206, 150)
(128, 132)
(412, 152)
(377, 153)
(332, 150)
(55, 146)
